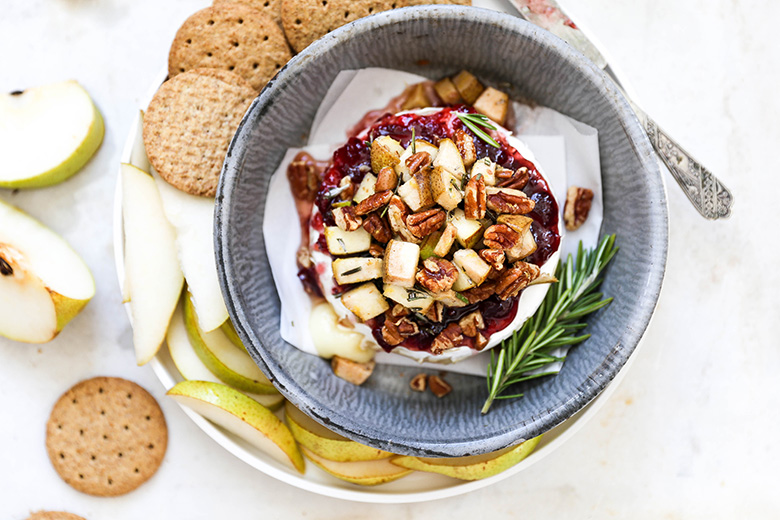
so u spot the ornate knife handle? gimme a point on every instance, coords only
(708, 195)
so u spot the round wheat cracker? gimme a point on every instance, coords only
(307, 20)
(185, 155)
(230, 37)
(53, 515)
(106, 436)
(272, 8)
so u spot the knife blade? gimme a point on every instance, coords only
(705, 191)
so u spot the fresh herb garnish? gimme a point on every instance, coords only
(334, 192)
(352, 271)
(554, 324)
(414, 146)
(412, 295)
(461, 297)
(342, 204)
(475, 123)
(342, 244)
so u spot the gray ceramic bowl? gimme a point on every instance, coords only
(527, 61)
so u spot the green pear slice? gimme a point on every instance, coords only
(226, 361)
(230, 331)
(193, 219)
(47, 134)
(364, 473)
(192, 368)
(325, 443)
(474, 467)
(153, 278)
(241, 416)
(43, 282)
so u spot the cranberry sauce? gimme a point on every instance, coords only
(353, 160)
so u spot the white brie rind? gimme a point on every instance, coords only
(530, 298)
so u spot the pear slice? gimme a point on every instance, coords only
(193, 219)
(474, 467)
(192, 368)
(43, 282)
(226, 361)
(47, 134)
(241, 416)
(230, 331)
(325, 443)
(153, 282)
(364, 473)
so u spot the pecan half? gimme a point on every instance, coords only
(349, 188)
(423, 223)
(506, 200)
(450, 337)
(376, 250)
(396, 312)
(346, 219)
(387, 179)
(480, 342)
(407, 327)
(495, 257)
(465, 144)
(435, 312)
(391, 334)
(302, 174)
(437, 274)
(480, 293)
(418, 161)
(472, 323)
(373, 202)
(419, 382)
(378, 228)
(512, 179)
(516, 279)
(501, 236)
(578, 203)
(475, 198)
(439, 386)
(397, 211)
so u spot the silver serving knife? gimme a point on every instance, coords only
(709, 196)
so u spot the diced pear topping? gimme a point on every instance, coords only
(463, 283)
(416, 192)
(468, 86)
(414, 299)
(418, 98)
(471, 264)
(527, 246)
(451, 298)
(419, 146)
(342, 242)
(487, 169)
(385, 151)
(400, 263)
(446, 241)
(429, 245)
(365, 301)
(447, 91)
(450, 159)
(354, 270)
(468, 231)
(445, 188)
(494, 104)
(519, 223)
(366, 188)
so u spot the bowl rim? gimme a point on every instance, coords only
(591, 386)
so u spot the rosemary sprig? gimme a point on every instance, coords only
(555, 323)
(475, 123)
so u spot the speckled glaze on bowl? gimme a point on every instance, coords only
(526, 61)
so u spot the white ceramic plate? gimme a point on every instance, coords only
(417, 487)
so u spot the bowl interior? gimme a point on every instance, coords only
(527, 62)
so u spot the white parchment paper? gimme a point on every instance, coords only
(566, 149)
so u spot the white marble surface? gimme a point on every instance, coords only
(689, 434)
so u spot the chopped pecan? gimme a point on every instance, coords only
(478, 294)
(418, 161)
(512, 179)
(472, 323)
(346, 219)
(578, 203)
(376, 250)
(303, 257)
(373, 202)
(423, 223)
(302, 174)
(435, 312)
(419, 382)
(450, 337)
(396, 312)
(378, 228)
(480, 342)
(437, 274)
(391, 334)
(475, 198)
(506, 200)
(387, 179)
(351, 371)
(397, 211)
(465, 144)
(501, 236)
(349, 188)
(495, 257)
(407, 327)
(516, 279)
(439, 386)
